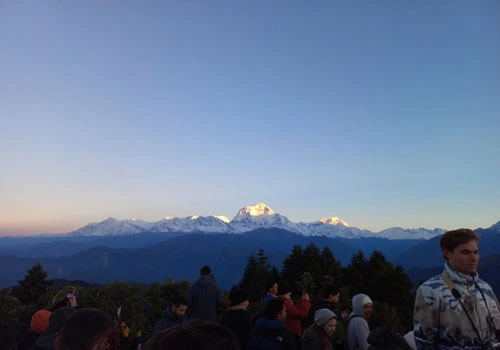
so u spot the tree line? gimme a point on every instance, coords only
(135, 308)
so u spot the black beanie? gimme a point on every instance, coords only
(236, 297)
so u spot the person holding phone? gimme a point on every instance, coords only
(71, 298)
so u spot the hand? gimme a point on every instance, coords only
(72, 300)
(305, 295)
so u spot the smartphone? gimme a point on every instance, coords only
(69, 295)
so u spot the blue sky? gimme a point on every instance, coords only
(382, 113)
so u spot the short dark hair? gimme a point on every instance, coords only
(273, 308)
(270, 284)
(205, 270)
(452, 239)
(195, 334)
(84, 329)
(179, 300)
(330, 289)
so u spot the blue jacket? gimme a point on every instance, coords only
(270, 335)
(440, 321)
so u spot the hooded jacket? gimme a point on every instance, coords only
(203, 297)
(357, 327)
(167, 320)
(440, 321)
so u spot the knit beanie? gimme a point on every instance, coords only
(40, 321)
(283, 288)
(322, 316)
(236, 297)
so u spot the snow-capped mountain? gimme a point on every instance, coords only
(333, 227)
(247, 219)
(260, 216)
(209, 224)
(410, 233)
(112, 227)
(495, 227)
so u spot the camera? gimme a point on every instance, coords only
(69, 295)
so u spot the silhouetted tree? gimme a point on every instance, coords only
(33, 288)
(294, 267)
(356, 274)
(257, 272)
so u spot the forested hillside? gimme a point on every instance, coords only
(141, 305)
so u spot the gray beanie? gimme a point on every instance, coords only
(322, 316)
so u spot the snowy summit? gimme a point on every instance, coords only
(247, 219)
(256, 210)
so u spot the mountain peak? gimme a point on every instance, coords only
(334, 221)
(110, 219)
(223, 218)
(258, 209)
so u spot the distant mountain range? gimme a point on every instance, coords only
(247, 219)
(134, 250)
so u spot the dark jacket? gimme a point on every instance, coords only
(203, 297)
(312, 341)
(28, 340)
(168, 320)
(237, 319)
(339, 337)
(270, 335)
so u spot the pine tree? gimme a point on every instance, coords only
(258, 272)
(32, 289)
(330, 269)
(293, 268)
(356, 274)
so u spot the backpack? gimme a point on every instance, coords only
(348, 319)
(383, 339)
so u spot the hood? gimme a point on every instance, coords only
(357, 304)
(168, 315)
(204, 282)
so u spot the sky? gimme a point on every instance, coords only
(381, 113)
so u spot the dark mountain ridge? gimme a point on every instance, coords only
(155, 256)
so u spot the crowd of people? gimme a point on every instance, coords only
(454, 310)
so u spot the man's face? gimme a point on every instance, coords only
(179, 311)
(464, 258)
(334, 298)
(367, 310)
(274, 289)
